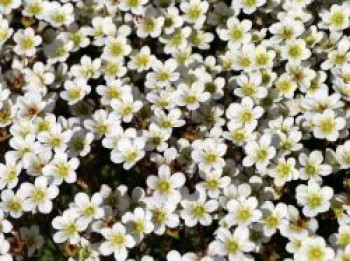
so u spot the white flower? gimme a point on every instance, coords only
(244, 113)
(343, 155)
(30, 105)
(7, 6)
(163, 215)
(80, 143)
(135, 6)
(170, 120)
(12, 203)
(214, 183)
(194, 11)
(166, 186)
(35, 8)
(242, 211)
(286, 86)
(69, 226)
(313, 167)
(87, 69)
(233, 245)
(247, 6)
(151, 25)
(338, 57)
(87, 209)
(313, 198)
(284, 171)
(61, 169)
(38, 78)
(101, 27)
(102, 123)
(39, 195)
(125, 107)
(250, 86)
(129, 151)
(259, 152)
(191, 96)
(26, 41)
(117, 242)
(164, 73)
(9, 171)
(59, 15)
(143, 60)
(116, 48)
(197, 210)
(75, 90)
(157, 138)
(56, 138)
(139, 222)
(5, 225)
(274, 217)
(287, 29)
(295, 51)
(4, 249)
(208, 154)
(5, 30)
(314, 248)
(112, 90)
(31, 237)
(336, 18)
(327, 125)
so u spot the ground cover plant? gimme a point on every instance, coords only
(174, 130)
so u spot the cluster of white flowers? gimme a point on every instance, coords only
(175, 130)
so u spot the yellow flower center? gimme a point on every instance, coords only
(149, 26)
(131, 156)
(15, 205)
(272, 221)
(191, 99)
(244, 214)
(294, 51)
(198, 211)
(250, 3)
(62, 170)
(142, 60)
(212, 184)
(39, 195)
(118, 239)
(117, 49)
(328, 126)
(284, 170)
(232, 246)
(261, 154)
(337, 19)
(163, 76)
(315, 253)
(71, 229)
(133, 3)
(236, 33)
(139, 227)
(211, 158)
(27, 42)
(59, 17)
(74, 94)
(89, 211)
(314, 200)
(194, 12)
(5, 2)
(35, 8)
(261, 59)
(55, 142)
(163, 186)
(159, 216)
